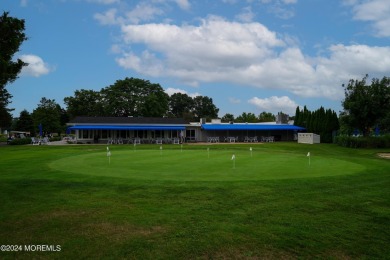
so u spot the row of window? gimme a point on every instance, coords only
(128, 134)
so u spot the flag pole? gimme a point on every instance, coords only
(234, 161)
(109, 155)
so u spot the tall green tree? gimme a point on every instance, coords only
(298, 117)
(246, 118)
(322, 122)
(25, 122)
(11, 37)
(180, 105)
(227, 118)
(85, 103)
(5, 118)
(266, 117)
(204, 108)
(134, 97)
(365, 106)
(48, 113)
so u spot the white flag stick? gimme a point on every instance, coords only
(208, 152)
(308, 155)
(109, 155)
(234, 161)
(250, 149)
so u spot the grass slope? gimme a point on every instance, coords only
(170, 204)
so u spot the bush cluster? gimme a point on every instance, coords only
(20, 141)
(3, 138)
(364, 142)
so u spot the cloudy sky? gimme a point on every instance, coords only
(247, 55)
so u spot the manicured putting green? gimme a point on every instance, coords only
(204, 165)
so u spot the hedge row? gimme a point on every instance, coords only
(364, 142)
(20, 141)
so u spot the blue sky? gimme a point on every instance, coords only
(247, 55)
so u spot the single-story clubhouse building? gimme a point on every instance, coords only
(176, 130)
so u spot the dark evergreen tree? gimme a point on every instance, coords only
(25, 122)
(320, 122)
(11, 37)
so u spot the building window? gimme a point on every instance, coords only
(190, 135)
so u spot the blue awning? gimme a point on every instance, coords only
(260, 127)
(125, 127)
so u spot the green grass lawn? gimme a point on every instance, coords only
(195, 202)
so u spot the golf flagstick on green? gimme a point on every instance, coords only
(308, 155)
(250, 149)
(234, 161)
(109, 155)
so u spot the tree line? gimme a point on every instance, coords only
(138, 98)
(131, 97)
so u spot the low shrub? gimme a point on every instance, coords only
(3, 138)
(55, 138)
(364, 142)
(20, 141)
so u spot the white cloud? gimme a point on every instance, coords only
(355, 60)
(274, 104)
(281, 11)
(246, 15)
(183, 4)
(140, 13)
(206, 52)
(171, 91)
(229, 1)
(280, 8)
(375, 11)
(247, 54)
(233, 100)
(105, 2)
(36, 66)
(108, 18)
(289, 1)
(143, 12)
(23, 3)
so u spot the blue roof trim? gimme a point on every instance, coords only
(117, 127)
(260, 127)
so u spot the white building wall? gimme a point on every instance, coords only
(308, 138)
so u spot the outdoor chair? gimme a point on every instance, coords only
(45, 140)
(34, 141)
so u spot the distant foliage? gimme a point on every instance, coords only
(322, 122)
(20, 141)
(138, 98)
(364, 142)
(249, 118)
(366, 106)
